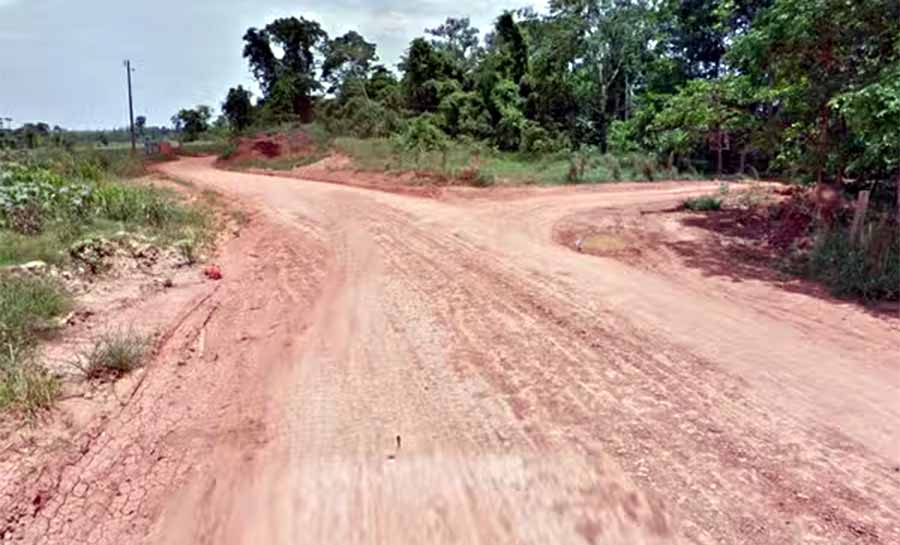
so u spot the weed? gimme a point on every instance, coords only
(188, 248)
(114, 354)
(703, 204)
(25, 385)
(26, 304)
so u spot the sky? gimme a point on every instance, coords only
(62, 60)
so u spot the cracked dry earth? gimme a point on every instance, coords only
(378, 368)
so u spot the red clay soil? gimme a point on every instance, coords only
(266, 146)
(375, 368)
(339, 169)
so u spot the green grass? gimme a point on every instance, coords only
(77, 198)
(283, 163)
(27, 305)
(114, 354)
(382, 154)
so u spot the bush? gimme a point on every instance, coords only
(423, 135)
(869, 269)
(703, 204)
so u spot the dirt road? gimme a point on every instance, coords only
(378, 368)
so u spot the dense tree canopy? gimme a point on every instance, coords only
(803, 87)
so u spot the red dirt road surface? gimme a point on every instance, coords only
(381, 368)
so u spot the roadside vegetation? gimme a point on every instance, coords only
(113, 355)
(806, 91)
(56, 208)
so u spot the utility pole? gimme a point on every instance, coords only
(130, 107)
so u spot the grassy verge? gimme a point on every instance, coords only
(48, 205)
(284, 163)
(867, 269)
(382, 154)
(27, 305)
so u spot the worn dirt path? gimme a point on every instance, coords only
(379, 368)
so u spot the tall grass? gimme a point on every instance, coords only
(384, 154)
(27, 304)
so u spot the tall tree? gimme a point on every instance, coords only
(238, 108)
(290, 79)
(610, 41)
(193, 122)
(348, 61)
(806, 53)
(459, 39)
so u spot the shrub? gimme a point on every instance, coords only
(703, 204)
(476, 177)
(868, 269)
(115, 353)
(423, 135)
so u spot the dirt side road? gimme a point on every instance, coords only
(379, 368)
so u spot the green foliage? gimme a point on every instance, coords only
(360, 117)
(703, 204)
(238, 109)
(26, 305)
(138, 205)
(348, 59)
(115, 353)
(191, 123)
(423, 135)
(288, 80)
(869, 269)
(30, 197)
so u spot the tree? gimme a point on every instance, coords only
(238, 108)
(459, 40)
(608, 47)
(191, 123)
(140, 123)
(699, 31)
(292, 76)
(426, 73)
(804, 54)
(348, 61)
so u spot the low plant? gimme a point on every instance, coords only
(703, 204)
(115, 354)
(868, 268)
(27, 306)
(24, 385)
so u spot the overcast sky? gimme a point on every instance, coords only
(61, 60)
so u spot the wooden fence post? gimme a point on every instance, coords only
(859, 217)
